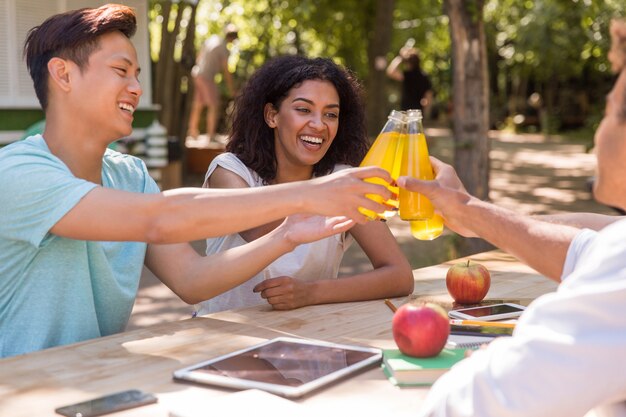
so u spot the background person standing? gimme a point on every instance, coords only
(212, 60)
(416, 87)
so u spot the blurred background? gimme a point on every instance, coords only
(546, 59)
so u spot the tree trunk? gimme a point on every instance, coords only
(471, 95)
(187, 62)
(170, 82)
(379, 45)
(551, 91)
(173, 74)
(165, 51)
(471, 99)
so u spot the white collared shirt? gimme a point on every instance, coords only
(568, 352)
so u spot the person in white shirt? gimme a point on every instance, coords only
(567, 355)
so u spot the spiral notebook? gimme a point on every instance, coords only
(457, 341)
(472, 336)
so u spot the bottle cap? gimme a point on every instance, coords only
(397, 115)
(414, 114)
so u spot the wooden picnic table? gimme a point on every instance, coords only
(35, 384)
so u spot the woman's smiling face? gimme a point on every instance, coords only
(305, 124)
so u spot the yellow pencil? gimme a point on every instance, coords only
(482, 323)
(390, 305)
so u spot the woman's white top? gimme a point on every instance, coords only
(308, 262)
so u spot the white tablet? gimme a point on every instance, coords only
(284, 366)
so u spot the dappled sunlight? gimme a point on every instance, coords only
(565, 196)
(561, 159)
(511, 137)
(531, 176)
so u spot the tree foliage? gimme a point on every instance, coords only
(424, 22)
(556, 48)
(274, 27)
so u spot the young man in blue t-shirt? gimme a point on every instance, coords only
(78, 221)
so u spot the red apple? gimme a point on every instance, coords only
(420, 330)
(468, 282)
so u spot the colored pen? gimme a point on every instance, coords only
(482, 323)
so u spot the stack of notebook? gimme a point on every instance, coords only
(403, 370)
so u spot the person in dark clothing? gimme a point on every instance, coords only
(416, 87)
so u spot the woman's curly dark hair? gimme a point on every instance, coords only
(252, 140)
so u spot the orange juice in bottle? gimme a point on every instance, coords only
(427, 229)
(382, 153)
(415, 207)
(395, 171)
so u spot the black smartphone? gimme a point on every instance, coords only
(108, 404)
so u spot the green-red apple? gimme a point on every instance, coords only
(420, 330)
(468, 282)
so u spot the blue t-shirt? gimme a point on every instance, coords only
(53, 290)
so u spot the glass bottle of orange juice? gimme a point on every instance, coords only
(427, 229)
(382, 153)
(415, 207)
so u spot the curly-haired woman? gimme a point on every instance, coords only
(299, 118)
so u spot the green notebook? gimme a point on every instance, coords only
(403, 370)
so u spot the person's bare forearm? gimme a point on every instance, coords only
(197, 278)
(174, 216)
(541, 245)
(223, 271)
(187, 214)
(393, 70)
(593, 221)
(387, 281)
(219, 212)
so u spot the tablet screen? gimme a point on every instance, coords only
(282, 362)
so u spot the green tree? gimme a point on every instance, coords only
(471, 100)
(555, 48)
(347, 31)
(172, 49)
(425, 23)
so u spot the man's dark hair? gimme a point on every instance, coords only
(252, 140)
(74, 36)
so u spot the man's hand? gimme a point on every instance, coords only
(305, 228)
(342, 193)
(447, 194)
(284, 293)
